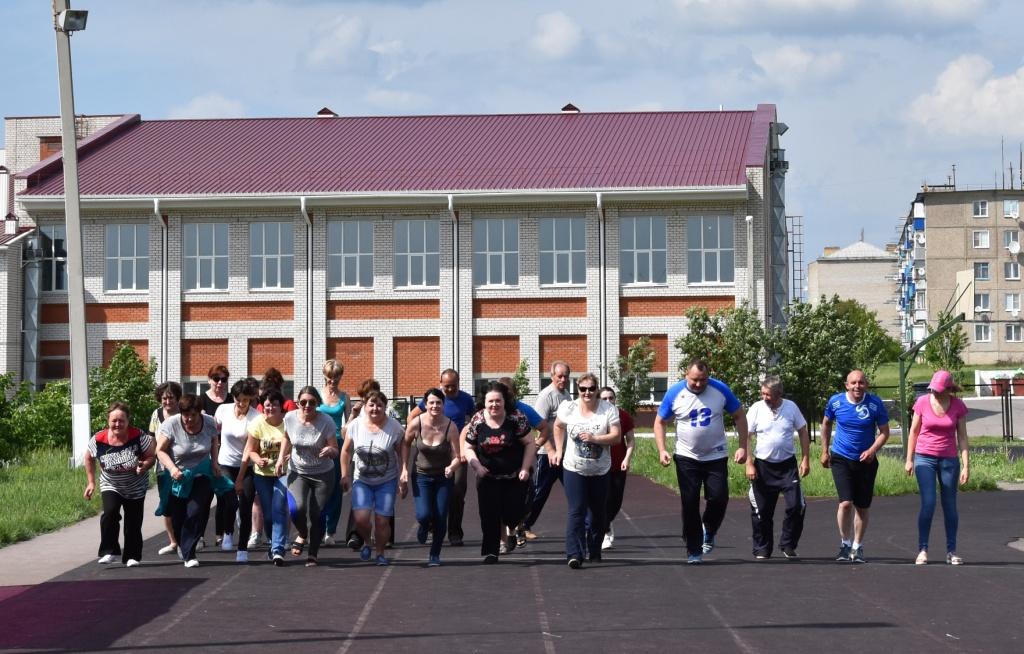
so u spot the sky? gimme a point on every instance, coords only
(879, 95)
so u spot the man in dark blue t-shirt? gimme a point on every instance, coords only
(458, 405)
(861, 429)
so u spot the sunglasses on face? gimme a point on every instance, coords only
(218, 380)
(307, 403)
(587, 389)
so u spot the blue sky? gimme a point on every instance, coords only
(880, 95)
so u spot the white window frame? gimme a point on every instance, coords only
(117, 265)
(562, 262)
(982, 333)
(215, 260)
(350, 258)
(415, 255)
(980, 239)
(1014, 333)
(1011, 301)
(979, 209)
(982, 302)
(632, 258)
(1011, 270)
(979, 268)
(57, 266)
(920, 300)
(704, 253)
(271, 256)
(495, 256)
(1011, 209)
(1010, 236)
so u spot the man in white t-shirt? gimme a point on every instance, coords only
(773, 469)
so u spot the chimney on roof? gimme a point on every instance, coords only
(11, 224)
(570, 109)
(326, 112)
(5, 190)
(830, 250)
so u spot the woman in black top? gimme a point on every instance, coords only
(216, 395)
(500, 451)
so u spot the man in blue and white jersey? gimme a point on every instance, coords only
(861, 429)
(698, 405)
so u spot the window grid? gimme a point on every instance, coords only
(1011, 209)
(980, 238)
(1012, 301)
(982, 333)
(920, 298)
(350, 254)
(710, 250)
(980, 209)
(417, 253)
(126, 249)
(981, 271)
(642, 257)
(271, 256)
(981, 302)
(563, 249)
(52, 239)
(1011, 270)
(496, 252)
(1013, 332)
(1010, 236)
(205, 256)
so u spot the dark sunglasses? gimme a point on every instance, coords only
(308, 403)
(587, 389)
(218, 379)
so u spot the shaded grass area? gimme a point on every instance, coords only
(987, 468)
(40, 493)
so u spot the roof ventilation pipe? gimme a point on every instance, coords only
(570, 109)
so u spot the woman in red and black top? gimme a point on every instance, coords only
(500, 451)
(125, 455)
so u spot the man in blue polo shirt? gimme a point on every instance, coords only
(698, 405)
(861, 429)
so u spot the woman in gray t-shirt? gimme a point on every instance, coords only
(187, 447)
(309, 438)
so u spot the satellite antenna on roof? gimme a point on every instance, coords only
(570, 109)
(326, 113)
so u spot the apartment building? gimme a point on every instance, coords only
(862, 272)
(402, 245)
(961, 248)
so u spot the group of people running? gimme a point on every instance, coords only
(274, 464)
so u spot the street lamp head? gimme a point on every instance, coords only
(72, 20)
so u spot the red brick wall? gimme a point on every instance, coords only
(659, 343)
(571, 349)
(111, 347)
(52, 314)
(574, 307)
(417, 364)
(495, 354)
(54, 359)
(271, 353)
(198, 355)
(236, 311)
(383, 309)
(645, 307)
(356, 354)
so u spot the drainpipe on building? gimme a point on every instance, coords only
(750, 263)
(30, 312)
(602, 293)
(455, 280)
(162, 361)
(310, 366)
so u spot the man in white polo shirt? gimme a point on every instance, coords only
(773, 469)
(698, 405)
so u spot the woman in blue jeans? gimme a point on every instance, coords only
(937, 433)
(264, 448)
(437, 456)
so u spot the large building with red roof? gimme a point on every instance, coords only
(400, 245)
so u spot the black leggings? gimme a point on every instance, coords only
(240, 503)
(110, 522)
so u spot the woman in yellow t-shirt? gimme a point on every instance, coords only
(263, 448)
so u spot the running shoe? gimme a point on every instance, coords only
(328, 540)
(953, 559)
(131, 563)
(608, 542)
(364, 554)
(761, 556)
(790, 553)
(922, 558)
(382, 560)
(107, 558)
(254, 540)
(354, 543)
(857, 555)
(694, 559)
(844, 553)
(279, 559)
(575, 563)
(433, 561)
(520, 537)
(502, 548)
(709, 543)
(168, 549)
(241, 556)
(192, 563)
(227, 543)
(201, 544)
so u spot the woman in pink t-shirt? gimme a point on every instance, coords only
(937, 434)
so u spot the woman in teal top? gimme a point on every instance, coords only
(335, 404)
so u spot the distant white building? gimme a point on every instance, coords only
(861, 272)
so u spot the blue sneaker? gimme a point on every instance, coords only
(434, 561)
(709, 543)
(364, 553)
(694, 559)
(382, 560)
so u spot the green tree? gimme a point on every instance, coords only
(127, 379)
(32, 420)
(631, 375)
(946, 350)
(738, 347)
(520, 381)
(872, 346)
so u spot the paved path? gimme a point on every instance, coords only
(641, 599)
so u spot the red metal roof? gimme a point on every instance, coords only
(6, 239)
(516, 152)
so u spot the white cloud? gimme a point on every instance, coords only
(209, 105)
(341, 43)
(791, 65)
(393, 101)
(557, 35)
(967, 100)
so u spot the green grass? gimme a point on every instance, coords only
(987, 468)
(40, 493)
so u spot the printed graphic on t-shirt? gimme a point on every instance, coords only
(116, 459)
(585, 450)
(373, 460)
(494, 443)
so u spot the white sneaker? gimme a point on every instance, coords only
(241, 556)
(192, 563)
(254, 540)
(107, 558)
(167, 549)
(201, 544)
(228, 543)
(131, 563)
(328, 540)
(609, 542)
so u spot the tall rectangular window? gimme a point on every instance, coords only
(126, 250)
(1010, 236)
(271, 256)
(563, 251)
(1013, 332)
(55, 257)
(350, 254)
(980, 209)
(1012, 302)
(982, 333)
(1011, 208)
(205, 256)
(981, 302)
(980, 238)
(496, 252)
(417, 253)
(642, 247)
(710, 249)
(920, 300)
(981, 271)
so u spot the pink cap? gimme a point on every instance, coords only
(942, 381)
